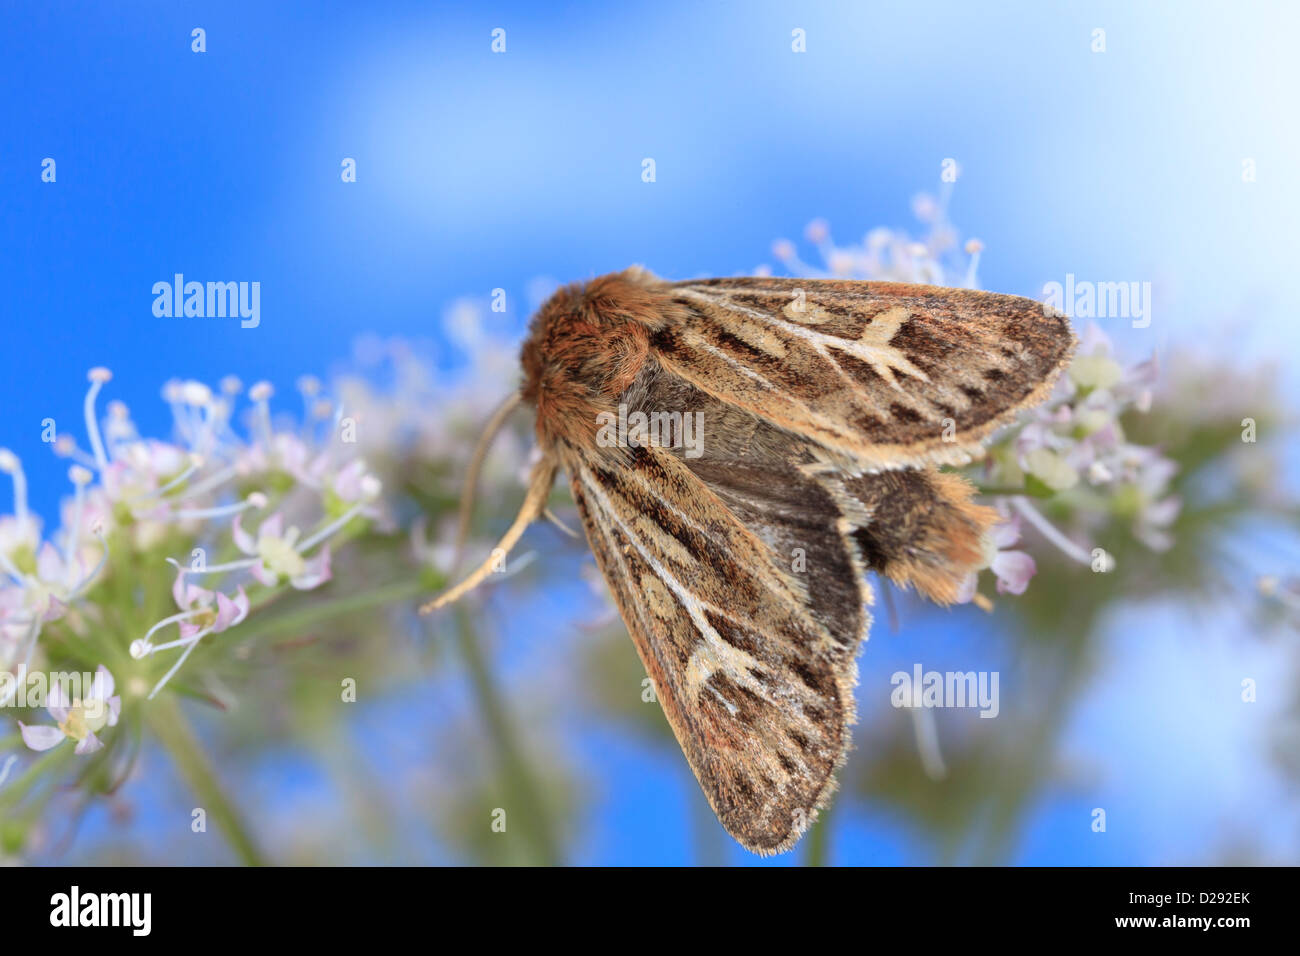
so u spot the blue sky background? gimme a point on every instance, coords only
(478, 171)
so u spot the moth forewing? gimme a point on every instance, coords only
(757, 691)
(889, 374)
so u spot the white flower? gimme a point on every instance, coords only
(1095, 371)
(211, 611)
(353, 483)
(284, 452)
(46, 593)
(278, 557)
(1151, 474)
(19, 534)
(1013, 569)
(20, 531)
(77, 719)
(1051, 469)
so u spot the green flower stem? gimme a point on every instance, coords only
(44, 765)
(168, 722)
(819, 840)
(515, 770)
(1016, 789)
(367, 802)
(317, 613)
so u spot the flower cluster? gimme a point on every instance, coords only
(140, 503)
(1071, 450)
(1074, 444)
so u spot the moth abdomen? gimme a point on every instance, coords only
(924, 531)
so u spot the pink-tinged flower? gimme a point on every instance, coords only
(817, 231)
(1013, 569)
(278, 556)
(355, 491)
(1152, 473)
(1154, 519)
(77, 719)
(284, 452)
(44, 592)
(350, 484)
(211, 611)
(141, 467)
(96, 513)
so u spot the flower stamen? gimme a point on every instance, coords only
(98, 376)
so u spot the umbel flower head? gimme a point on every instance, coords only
(139, 502)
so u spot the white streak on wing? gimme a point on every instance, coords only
(731, 360)
(829, 424)
(713, 653)
(873, 347)
(713, 297)
(666, 504)
(612, 549)
(696, 681)
(693, 523)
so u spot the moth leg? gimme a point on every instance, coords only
(490, 432)
(539, 489)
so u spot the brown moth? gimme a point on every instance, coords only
(823, 409)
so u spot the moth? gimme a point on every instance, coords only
(823, 411)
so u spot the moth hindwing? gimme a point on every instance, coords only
(805, 421)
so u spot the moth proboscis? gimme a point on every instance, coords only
(823, 411)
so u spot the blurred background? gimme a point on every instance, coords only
(1167, 157)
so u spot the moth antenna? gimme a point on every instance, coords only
(539, 489)
(490, 432)
(554, 519)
